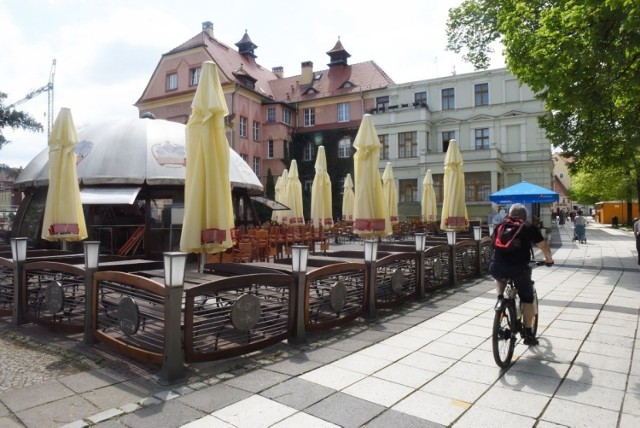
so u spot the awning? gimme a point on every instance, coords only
(274, 205)
(109, 195)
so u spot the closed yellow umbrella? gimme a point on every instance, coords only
(63, 215)
(321, 207)
(429, 208)
(390, 193)
(347, 199)
(208, 211)
(454, 208)
(370, 214)
(294, 195)
(281, 186)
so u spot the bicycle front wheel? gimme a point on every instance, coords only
(504, 335)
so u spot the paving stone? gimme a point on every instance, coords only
(90, 380)
(257, 380)
(392, 418)
(171, 414)
(35, 395)
(60, 412)
(103, 416)
(294, 366)
(216, 397)
(297, 393)
(345, 410)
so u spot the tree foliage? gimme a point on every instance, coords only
(14, 119)
(582, 58)
(602, 185)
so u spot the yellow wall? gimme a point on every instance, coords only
(606, 210)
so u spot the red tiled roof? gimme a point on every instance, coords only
(559, 187)
(230, 60)
(329, 82)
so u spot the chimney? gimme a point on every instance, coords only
(307, 73)
(278, 71)
(207, 27)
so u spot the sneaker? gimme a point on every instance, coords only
(530, 341)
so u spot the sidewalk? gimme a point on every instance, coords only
(428, 364)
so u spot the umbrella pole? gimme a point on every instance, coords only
(64, 245)
(201, 260)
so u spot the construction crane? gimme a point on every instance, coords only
(46, 88)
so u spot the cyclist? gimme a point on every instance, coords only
(514, 264)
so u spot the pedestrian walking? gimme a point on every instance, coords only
(561, 218)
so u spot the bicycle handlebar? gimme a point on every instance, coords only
(542, 262)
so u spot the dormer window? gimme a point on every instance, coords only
(172, 81)
(348, 85)
(311, 91)
(194, 76)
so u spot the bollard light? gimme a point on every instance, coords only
(370, 250)
(299, 257)
(451, 237)
(91, 254)
(491, 227)
(477, 233)
(19, 249)
(420, 240)
(174, 266)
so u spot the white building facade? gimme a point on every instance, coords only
(492, 117)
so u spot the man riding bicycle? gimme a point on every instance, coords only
(513, 262)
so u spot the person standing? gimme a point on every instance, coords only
(636, 232)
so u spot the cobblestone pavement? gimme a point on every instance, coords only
(25, 362)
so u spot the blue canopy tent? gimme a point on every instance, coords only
(523, 193)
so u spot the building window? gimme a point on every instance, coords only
(309, 151)
(244, 157)
(482, 138)
(271, 114)
(309, 116)
(243, 127)
(477, 186)
(344, 112)
(448, 99)
(407, 190)
(256, 131)
(308, 184)
(446, 137)
(286, 116)
(194, 76)
(408, 144)
(482, 94)
(172, 81)
(384, 146)
(382, 103)
(270, 149)
(344, 148)
(420, 99)
(256, 166)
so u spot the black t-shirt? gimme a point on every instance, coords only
(530, 235)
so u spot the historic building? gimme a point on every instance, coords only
(273, 119)
(491, 116)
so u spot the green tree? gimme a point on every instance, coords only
(601, 185)
(582, 58)
(14, 119)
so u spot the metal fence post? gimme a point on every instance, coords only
(19, 255)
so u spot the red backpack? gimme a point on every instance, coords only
(507, 237)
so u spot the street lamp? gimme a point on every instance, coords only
(91, 256)
(174, 267)
(172, 368)
(451, 237)
(420, 241)
(19, 249)
(477, 233)
(370, 256)
(19, 255)
(299, 257)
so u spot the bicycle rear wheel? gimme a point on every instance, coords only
(504, 335)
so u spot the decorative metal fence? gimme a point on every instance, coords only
(396, 279)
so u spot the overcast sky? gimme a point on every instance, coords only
(107, 50)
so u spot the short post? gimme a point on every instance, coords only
(91, 256)
(370, 256)
(299, 258)
(172, 368)
(477, 236)
(451, 240)
(420, 280)
(19, 255)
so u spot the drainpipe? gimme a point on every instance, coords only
(233, 131)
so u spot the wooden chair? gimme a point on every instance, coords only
(243, 254)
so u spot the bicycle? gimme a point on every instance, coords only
(508, 323)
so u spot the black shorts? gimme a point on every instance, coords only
(521, 275)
